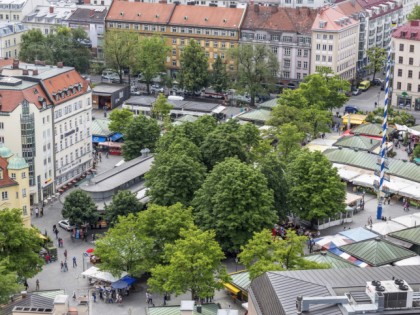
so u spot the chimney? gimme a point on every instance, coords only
(256, 8)
(15, 64)
(25, 72)
(35, 72)
(51, 9)
(274, 9)
(60, 64)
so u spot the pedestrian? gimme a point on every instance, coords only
(66, 268)
(74, 295)
(100, 156)
(61, 242)
(36, 212)
(150, 298)
(94, 296)
(376, 104)
(37, 285)
(389, 200)
(65, 254)
(62, 266)
(74, 262)
(26, 285)
(56, 233)
(107, 154)
(42, 212)
(407, 205)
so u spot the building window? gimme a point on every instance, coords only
(418, 88)
(408, 86)
(330, 47)
(410, 61)
(286, 74)
(173, 52)
(318, 46)
(275, 37)
(287, 51)
(215, 44)
(13, 175)
(299, 52)
(207, 43)
(4, 195)
(23, 174)
(400, 59)
(305, 65)
(398, 85)
(400, 72)
(298, 75)
(401, 47)
(411, 48)
(174, 63)
(286, 63)
(24, 192)
(410, 74)
(299, 64)
(274, 49)
(329, 58)
(305, 53)
(173, 41)
(174, 30)
(25, 210)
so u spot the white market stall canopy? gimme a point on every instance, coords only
(386, 227)
(410, 220)
(95, 273)
(412, 261)
(351, 198)
(348, 172)
(407, 129)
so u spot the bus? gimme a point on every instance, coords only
(364, 85)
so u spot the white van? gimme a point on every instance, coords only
(110, 74)
(175, 98)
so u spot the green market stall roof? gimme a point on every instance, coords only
(100, 128)
(411, 235)
(357, 142)
(241, 280)
(368, 161)
(331, 259)
(206, 309)
(374, 130)
(259, 116)
(377, 252)
(269, 104)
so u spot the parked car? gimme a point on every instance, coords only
(377, 82)
(110, 75)
(156, 88)
(356, 92)
(351, 109)
(65, 224)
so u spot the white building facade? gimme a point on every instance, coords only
(10, 38)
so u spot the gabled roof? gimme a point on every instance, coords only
(140, 12)
(357, 142)
(410, 30)
(91, 15)
(100, 128)
(411, 235)
(212, 17)
(206, 309)
(377, 252)
(32, 300)
(329, 17)
(327, 258)
(241, 279)
(362, 159)
(12, 98)
(269, 104)
(256, 115)
(295, 20)
(371, 130)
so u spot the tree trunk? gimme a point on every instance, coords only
(252, 103)
(374, 74)
(148, 87)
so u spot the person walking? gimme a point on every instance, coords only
(94, 296)
(66, 268)
(65, 254)
(37, 285)
(37, 212)
(56, 233)
(42, 212)
(26, 285)
(62, 266)
(74, 262)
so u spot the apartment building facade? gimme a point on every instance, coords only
(215, 29)
(46, 119)
(14, 184)
(15, 10)
(287, 32)
(10, 38)
(334, 42)
(406, 79)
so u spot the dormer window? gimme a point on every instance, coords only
(79, 87)
(62, 94)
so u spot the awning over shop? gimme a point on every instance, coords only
(231, 288)
(352, 198)
(98, 139)
(94, 272)
(332, 241)
(123, 282)
(358, 234)
(412, 261)
(355, 119)
(116, 136)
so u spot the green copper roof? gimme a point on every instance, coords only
(411, 235)
(377, 252)
(100, 128)
(241, 279)
(256, 115)
(269, 104)
(331, 259)
(357, 142)
(371, 130)
(17, 163)
(5, 152)
(207, 309)
(362, 159)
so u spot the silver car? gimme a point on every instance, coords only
(65, 224)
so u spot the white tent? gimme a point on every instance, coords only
(412, 261)
(365, 180)
(411, 191)
(347, 172)
(410, 220)
(90, 272)
(351, 198)
(95, 273)
(386, 227)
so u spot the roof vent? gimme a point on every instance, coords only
(206, 19)
(157, 16)
(122, 13)
(403, 287)
(138, 14)
(224, 20)
(399, 281)
(380, 288)
(185, 17)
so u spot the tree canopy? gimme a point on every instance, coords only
(219, 76)
(193, 263)
(119, 119)
(194, 67)
(377, 58)
(257, 68)
(151, 57)
(8, 280)
(79, 208)
(141, 133)
(235, 201)
(267, 253)
(414, 14)
(161, 108)
(123, 203)
(315, 188)
(19, 248)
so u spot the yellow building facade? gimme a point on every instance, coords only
(14, 184)
(216, 29)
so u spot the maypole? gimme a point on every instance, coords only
(384, 137)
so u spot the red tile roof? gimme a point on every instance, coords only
(140, 12)
(279, 19)
(212, 17)
(6, 180)
(10, 99)
(369, 4)
(410, 31)
(330, 16)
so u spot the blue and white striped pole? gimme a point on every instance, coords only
(384, 138)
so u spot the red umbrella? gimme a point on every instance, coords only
(90, 250)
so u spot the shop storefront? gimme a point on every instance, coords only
(417, 104)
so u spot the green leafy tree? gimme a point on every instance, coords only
(315, 121)
(274, 169)
(120, 47)
(34, 46)
(267, 253)
(152, 52)
(219, 76)
(123, 203)
(140, 133)
(377, 57)
(162, 225)
(161, 108)
(235, 201)
(79, 208)
(289, 139)
(19, 248)
(293, 98)
(119, 119)
(414, 14)
(174, 177)
(284, 114)
(124, 248)
(193, 264)
(416, 151)
(257, 66)
(194, 67)
(315, 188)
(8, 280)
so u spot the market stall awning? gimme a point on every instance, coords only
(410, 220)
(332, 241)
(98, 139)
(355, 119)
(386, 227)
(412, 261)
(123, 283)
(358, 234)
(231, 288)
(351, 198)
(116, 136)
(95, 273)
